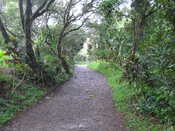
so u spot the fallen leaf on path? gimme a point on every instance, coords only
(92, 95)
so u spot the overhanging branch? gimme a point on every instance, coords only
(42, 9)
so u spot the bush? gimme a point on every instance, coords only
(4, 58)
(160, 103)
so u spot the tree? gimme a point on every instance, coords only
(68, 19)
(27, 19)
(144, 37)
(27, 16)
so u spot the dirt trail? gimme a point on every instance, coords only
(82, 104)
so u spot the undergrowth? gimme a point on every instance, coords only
(126, 97)
(15, 98)
(17, 95)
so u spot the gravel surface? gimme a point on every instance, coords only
(82, 104)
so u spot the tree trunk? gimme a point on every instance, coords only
(31, 59)
(59, 51)
(135, 41)
(62, 59)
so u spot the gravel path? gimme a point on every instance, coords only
(84, 104)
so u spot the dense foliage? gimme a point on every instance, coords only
(124, 103)
(141, 40)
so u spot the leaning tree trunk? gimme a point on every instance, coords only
(31, 59)
(61, 58)
(42, 75)
(59, 51)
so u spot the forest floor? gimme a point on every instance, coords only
(82, 104)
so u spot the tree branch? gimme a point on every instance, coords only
(21, 2)
(77, 28)
(42, 9)
(4, 32)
